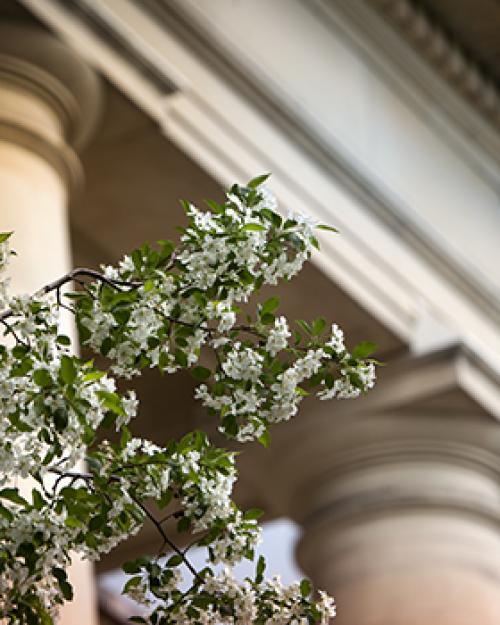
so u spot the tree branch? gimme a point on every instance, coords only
(70, 276)
(166, 539)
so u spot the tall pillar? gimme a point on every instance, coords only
(49, 101)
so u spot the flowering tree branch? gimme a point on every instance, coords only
(159, 308)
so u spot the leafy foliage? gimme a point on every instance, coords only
(158, 309)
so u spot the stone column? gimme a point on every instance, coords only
(406, 529)
(49, 100)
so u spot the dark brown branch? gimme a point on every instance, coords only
(88, 477)
(166, 539)
(70, 276)
(10, 330)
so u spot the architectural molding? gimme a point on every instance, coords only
(16, 127)
(405, 68)
(42, 84)
(88, 13)
(61, 157)
(42, 65)
(406, 476)
(445, 55)
(415, 379)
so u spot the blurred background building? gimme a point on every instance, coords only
(381, 117)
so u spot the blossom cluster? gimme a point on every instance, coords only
(34, 557)
(194, 477)
(216, 599)
(51, 402)
(169, 304)
(168, 308)
(38, 537)
(175, 296)
(262, 382)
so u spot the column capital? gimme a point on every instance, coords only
(51, 98)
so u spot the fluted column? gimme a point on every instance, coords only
(49, 100)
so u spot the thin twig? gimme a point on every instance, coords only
(74, 476)
(176, 514)
(166, 539)
(60, 302)
(10, 330)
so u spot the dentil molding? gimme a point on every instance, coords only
(444, 55)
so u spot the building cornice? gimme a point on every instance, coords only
(371, 25)
(445, 55)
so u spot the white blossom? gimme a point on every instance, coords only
(278, 335)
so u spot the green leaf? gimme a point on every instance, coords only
(6, 514)
(64, 585)
(305, 588)
(181, 358)
(19, 351)
(253, 514)
(174, 560)
(165, 499)
(137, 259)
(93, 375)
(253, 227)
(12, 494)
(73, 521)
(42, 618)
(230, 425)
(43, 378)
(67, 370)
(131, 568)
(259, 570)
(62, 339)
(131, 583)
(5, 235)
(60, 417)
(257, 181)
(265, 439)
(318, 326)
(22, 368)
(269, 305)
(304, 325)
(267, 319)
(364, 349)
(184, 524)
(111, 401)
(125, 437)
(200, 373)
(325, 227)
